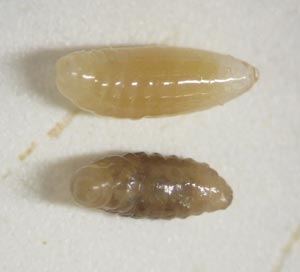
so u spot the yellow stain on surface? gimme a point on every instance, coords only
(5, 174)
(57, 129)
(287, 249)
(27, 152)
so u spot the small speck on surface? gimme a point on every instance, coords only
(57, 129)
(28, 151)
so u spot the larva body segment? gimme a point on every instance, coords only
(141, 185)
(134, 82)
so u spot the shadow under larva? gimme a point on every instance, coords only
(153, 186)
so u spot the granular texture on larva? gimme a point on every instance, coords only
(136, 82)
(141, 185)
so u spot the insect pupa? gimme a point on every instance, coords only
(153, 186)
(136, 82)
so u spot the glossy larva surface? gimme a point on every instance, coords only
(136, 82)
(141, 185)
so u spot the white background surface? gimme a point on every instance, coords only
(253, 141)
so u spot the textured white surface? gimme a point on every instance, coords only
(253, 141)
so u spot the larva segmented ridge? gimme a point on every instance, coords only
(151, 81)
(154, 186)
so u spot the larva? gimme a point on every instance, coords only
(136, 82)
(153, 186)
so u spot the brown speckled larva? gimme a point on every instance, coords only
(141, 185)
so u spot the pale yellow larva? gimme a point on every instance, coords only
(136, 82)
(141, 185)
